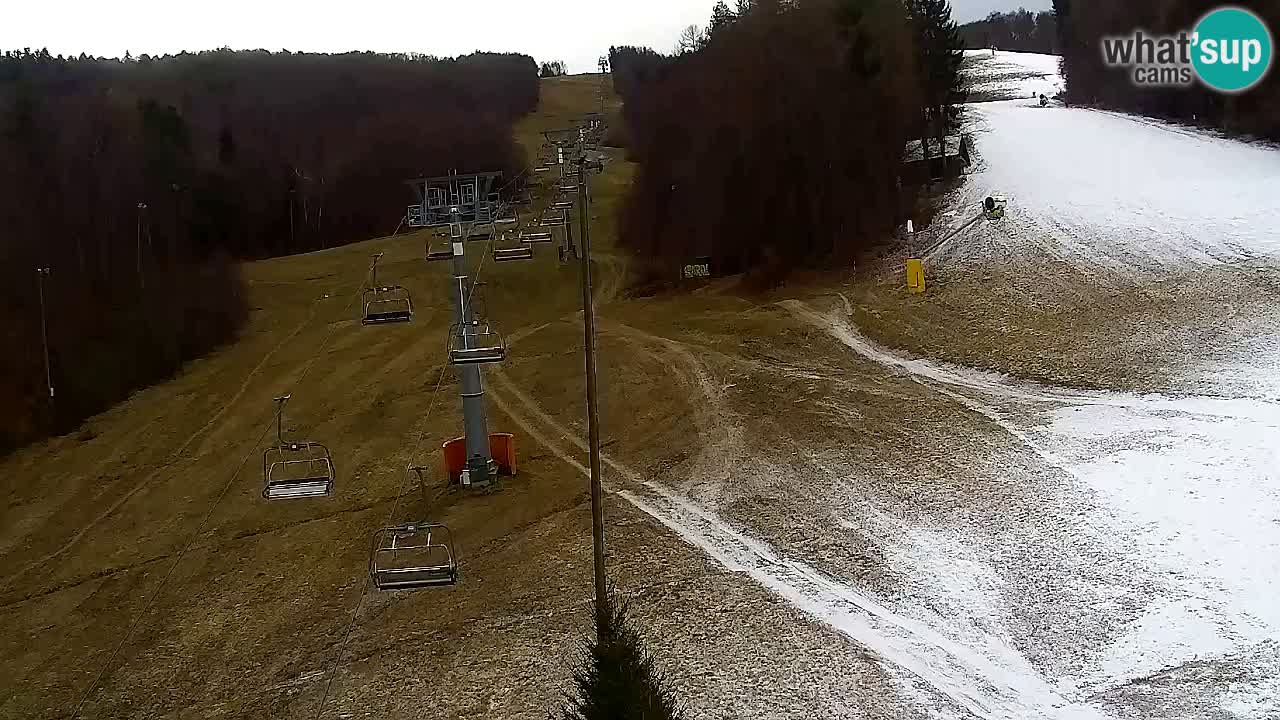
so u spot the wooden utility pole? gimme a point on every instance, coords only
(593, 409)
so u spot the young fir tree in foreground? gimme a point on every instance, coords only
(616, 678)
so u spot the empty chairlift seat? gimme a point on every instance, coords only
(506, 254)
(438, 254)
(387, 304)
(413, 556)
(475, 343)
(295, 469)
(384, 303)
(534, 237)
(562, 205)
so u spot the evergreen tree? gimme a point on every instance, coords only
(721, 17)
(939, 55)
(616, 678)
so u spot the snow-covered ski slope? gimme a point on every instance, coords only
(1142, 196)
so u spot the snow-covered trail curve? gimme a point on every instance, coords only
(992, 682)
(1195, 482)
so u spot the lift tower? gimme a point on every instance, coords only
(464, 204)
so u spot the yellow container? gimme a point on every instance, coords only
(915, 275)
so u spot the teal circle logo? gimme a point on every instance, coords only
(1232, 49)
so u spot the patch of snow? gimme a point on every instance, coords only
(1195, 480)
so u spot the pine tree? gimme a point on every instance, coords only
(721, 17)
(616, 678)
(940, 53)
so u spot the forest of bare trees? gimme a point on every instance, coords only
(777, 142)
(1083, 23)
(1020, 31)
(139, 182)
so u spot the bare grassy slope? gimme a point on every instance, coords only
(249, 620)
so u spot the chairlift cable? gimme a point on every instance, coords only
(395, 505)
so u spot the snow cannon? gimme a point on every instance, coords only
(993, 207)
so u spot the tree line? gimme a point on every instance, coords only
(140, 182)
(1083, 23)
(776, 142)
(1020, 30)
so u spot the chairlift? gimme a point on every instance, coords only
(295, 469)
(562, 205)
(553, 221)
(520, 252)
(385, 303)
(413, 556)
(533, 238)
(444, 253)
(475, 343)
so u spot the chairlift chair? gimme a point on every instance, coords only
(413, 556)
(385, 303)
(507, 254)
(295, 469)
(562, 205)
(475, 343)
(533, 238)
(437, 255)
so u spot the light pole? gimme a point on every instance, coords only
(142, 209)
(41, 274)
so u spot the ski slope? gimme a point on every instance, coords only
(1008, 75)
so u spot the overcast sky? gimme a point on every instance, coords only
(576, 31)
